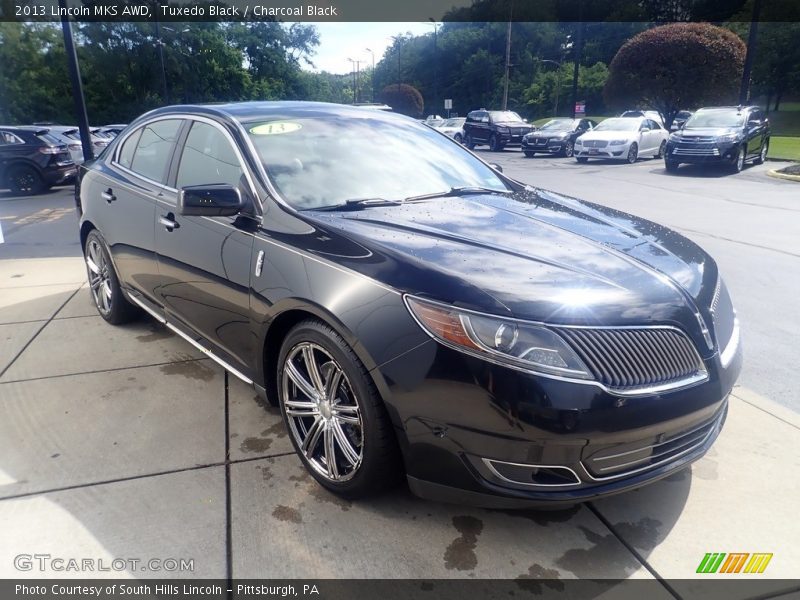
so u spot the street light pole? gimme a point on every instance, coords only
(372, 74)
(160, 46)
(435, 64)
(508, 55)
(75, 78)
(558, 81)
(356, 64)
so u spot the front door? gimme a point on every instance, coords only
(204, 262)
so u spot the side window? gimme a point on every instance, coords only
(155, 148)
(208, 158)
(125, 157)
(653, 125)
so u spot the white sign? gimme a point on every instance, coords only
(448, 103)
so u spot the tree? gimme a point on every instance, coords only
(675, 67)
(403, 98)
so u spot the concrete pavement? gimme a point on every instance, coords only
(113, 444)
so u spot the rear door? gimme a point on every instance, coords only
(126, 199)
(204, 262)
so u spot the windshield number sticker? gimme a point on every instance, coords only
(275, 128)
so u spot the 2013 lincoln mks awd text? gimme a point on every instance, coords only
(412, 310)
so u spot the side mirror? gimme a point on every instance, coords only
(213, 200)
(496, 167)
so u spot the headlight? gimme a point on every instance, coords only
(731, 137)
(563, 135)
(618, 142)
(503, 130)
(517, 344)
(579, 142)
(675, 137)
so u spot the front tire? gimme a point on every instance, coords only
(104, 284)
(494, 144)
(633, 153)
(25, 180)
(738, 163)
(335, 417)
(582, 159)
(569, 149)
(529, 154)
(671, 166)
(469, 142)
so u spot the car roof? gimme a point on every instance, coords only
(246, 112)
(736, 108)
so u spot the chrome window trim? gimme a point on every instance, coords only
(673, 386)
(488, 462)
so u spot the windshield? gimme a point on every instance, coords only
(716, 118)
(321, 162)
(558, 125)
(623, 124)
(454, 123)
(504, 116)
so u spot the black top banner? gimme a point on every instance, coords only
(401, 11)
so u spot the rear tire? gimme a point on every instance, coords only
(457, 137)
(348, 417)
(104, 286)
(25, 180)
(661, 149)
(762, 156)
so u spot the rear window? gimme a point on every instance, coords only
(49, 139)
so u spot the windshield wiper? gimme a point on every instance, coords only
(459, 191)
(358, 203)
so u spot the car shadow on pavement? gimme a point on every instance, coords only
(76, 480)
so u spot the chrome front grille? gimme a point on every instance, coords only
(626, 459)
(696, 151)
(636, 358)
(699, 139)
(595, 143)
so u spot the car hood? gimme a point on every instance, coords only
(610, 135)
(534, 255)
(708, 131)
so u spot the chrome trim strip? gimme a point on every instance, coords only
(488, 462)
(644, 391)
(726, 357)
(692, 448)
(194, 343)
(146, 308)
(210, 354)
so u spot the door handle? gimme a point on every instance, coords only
(108, 196)
(168, 221)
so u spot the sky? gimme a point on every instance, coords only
(340, 41)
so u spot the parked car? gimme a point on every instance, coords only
(433, 121)
(114, 130)
(622, 138)
(453, 128)
(495, 128)
(32, 160)
(680, 119)
(496, 344)
(723, 135)
(72, 137)
(557, 136)
(648, 114)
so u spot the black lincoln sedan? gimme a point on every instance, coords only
(557, 136)
(729, 136)
(413, 311)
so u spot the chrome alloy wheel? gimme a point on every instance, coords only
(740, 160)
(322, 412)
(99, 276)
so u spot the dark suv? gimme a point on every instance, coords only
(31, 160)
(496, 128)
(727, 135)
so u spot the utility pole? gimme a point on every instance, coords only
(508, 55)
(356, 64)
(160, 46)
(577, 66)
(744, 89)
(75, 79)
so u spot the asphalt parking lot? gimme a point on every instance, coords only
(125, 442)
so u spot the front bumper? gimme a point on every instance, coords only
(617, 152)
(478, 433)
(551, 146)
(701, 153)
